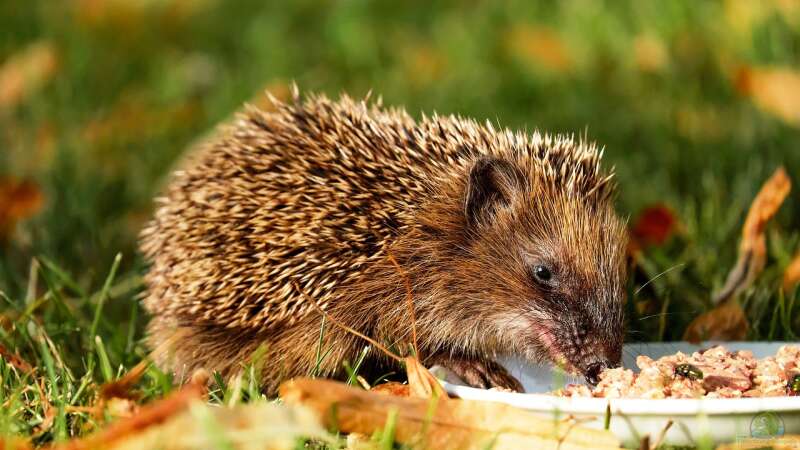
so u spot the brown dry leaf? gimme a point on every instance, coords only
(421, 381)
(440, 423)
(775, 90)
(753, 247)
(541, 46)
(18, 200)
(25, 72)
(15, 360)
(791, 277)
(726, 322)
(262, 426)
(148, 416)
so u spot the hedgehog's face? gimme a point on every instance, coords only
(554, 262)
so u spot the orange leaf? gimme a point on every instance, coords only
(726, 322)
(791, 277)
(753, 248)
(25, 72)
(774, 90)
(147, 416)
(441, 423)
(18, 200)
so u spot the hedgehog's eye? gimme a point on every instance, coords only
(542, 274)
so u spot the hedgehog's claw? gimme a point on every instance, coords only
(482, 374)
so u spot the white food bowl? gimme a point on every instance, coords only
(695, 421)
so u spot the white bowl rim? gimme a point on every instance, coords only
(632, 406)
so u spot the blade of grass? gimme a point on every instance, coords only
(387, 436)
(104, 293)
(105, 364)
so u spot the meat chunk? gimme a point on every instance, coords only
(713, 373)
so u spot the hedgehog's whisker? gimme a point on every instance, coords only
(658, 276)
(343, 326)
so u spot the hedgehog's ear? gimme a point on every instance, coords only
(491, 185)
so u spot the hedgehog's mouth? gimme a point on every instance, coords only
(555, 353)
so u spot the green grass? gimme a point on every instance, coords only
(133, 89)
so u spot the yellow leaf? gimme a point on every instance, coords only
(440, 423)
(774, 90)
(649, 53)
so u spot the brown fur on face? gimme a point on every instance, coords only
(316, 193)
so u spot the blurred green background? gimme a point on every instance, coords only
(695, 102)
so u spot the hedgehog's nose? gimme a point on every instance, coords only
(593, 371)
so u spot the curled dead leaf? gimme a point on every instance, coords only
(753, 247)
(726, 322)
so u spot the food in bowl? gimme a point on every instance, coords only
(712, 373)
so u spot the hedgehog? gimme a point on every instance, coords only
(508, 243)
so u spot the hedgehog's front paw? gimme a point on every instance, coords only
(480, 373)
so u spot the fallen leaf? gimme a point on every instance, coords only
(726, 322)
(791, 277)
(15, 360)
(440, 423)
(392, 388)
(12, 443)
(753, 247)
(263, 426)
(775, 90)
(25, 72)
(421, 382)
(149, 415)
(18, 200)
(540, 46)
(786, 442)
